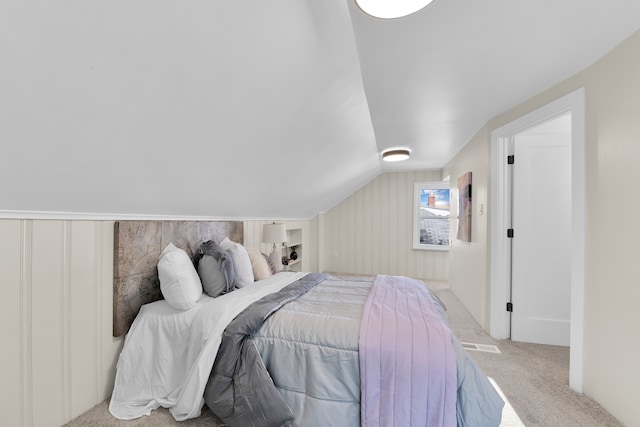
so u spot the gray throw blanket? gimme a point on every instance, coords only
(240, 390)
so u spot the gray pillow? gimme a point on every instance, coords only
(215, 268)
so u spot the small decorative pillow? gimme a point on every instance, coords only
(272, 267)
(259, 264)
(241, 262)
(179, 281)
(216, 270)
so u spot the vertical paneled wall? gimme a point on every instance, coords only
(371, 231)
(58, 356)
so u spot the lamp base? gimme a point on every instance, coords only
(276, 261)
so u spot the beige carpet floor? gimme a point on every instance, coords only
(533, 378)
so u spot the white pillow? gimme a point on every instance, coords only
(241, 262)
(179, 280)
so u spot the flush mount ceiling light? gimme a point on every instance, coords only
(396, 155)
(388, 9)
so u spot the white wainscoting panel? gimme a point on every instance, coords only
(49, 295)
(59, 356)
(14, 325)
(371, 231)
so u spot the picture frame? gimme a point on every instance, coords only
(464, 207)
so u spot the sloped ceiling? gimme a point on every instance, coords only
(262, 109)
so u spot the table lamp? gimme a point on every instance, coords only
(274, 233)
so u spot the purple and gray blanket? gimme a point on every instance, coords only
(407, 360)
(412, 370)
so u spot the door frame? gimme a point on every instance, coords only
(500, 264)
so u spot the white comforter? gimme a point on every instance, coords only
(168, 354)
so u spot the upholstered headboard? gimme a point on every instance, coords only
(137, 248)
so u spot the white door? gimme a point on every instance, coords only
(541, 245)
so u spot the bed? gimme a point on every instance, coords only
(300, 349)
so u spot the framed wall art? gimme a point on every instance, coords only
(464, 207)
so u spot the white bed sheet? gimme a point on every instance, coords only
(168, 354)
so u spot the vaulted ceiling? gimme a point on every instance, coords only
(261, 109)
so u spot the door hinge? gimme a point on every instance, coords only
(510, 233)
(509, 306)
(511, 159)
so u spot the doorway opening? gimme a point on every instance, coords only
(500, 251)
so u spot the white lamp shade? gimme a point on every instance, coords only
(274, 233)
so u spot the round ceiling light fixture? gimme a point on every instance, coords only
(396, 155)
(388, 9)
